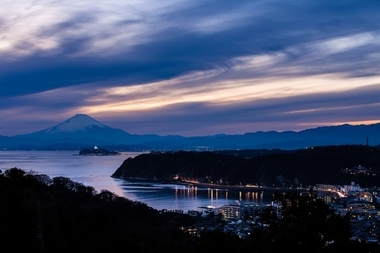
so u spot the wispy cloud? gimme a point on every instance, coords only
(191, 66)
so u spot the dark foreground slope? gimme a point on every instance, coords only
(291, 168)
(39, 214)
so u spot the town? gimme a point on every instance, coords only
(360, 204)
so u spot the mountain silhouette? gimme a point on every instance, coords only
(82, 131)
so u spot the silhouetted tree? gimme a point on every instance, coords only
(305, 225)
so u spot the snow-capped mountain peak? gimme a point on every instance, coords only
(80, 122)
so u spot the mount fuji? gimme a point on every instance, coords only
(78, 132)
(79, 127)
(78, 123)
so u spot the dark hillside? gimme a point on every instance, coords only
(317, 165)
(39, 214)
(164, 166)
(291, 168)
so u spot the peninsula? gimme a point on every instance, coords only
(280, 169)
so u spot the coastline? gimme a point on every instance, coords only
(236, 187)
(213, 186)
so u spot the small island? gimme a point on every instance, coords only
(98, 152)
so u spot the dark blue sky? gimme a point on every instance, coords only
(189, 67)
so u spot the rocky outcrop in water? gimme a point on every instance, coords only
(98, 152)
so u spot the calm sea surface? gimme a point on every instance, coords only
(96, 171)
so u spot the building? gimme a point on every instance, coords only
(233, 211)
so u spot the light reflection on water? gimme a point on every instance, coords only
(96, 171)
(182, 197)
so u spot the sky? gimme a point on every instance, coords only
(189, 67)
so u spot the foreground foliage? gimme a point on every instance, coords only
(58, 215)
(40, 214)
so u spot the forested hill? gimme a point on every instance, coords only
(40, 214)
(288, 168)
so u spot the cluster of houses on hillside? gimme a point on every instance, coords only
(360, 170)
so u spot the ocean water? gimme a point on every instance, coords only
(96, 171)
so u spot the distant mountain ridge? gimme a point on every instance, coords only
(82, 131)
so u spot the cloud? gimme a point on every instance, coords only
(289, 113)
(236, 106)
(241, 64)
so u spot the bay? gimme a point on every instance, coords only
(96, 171)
